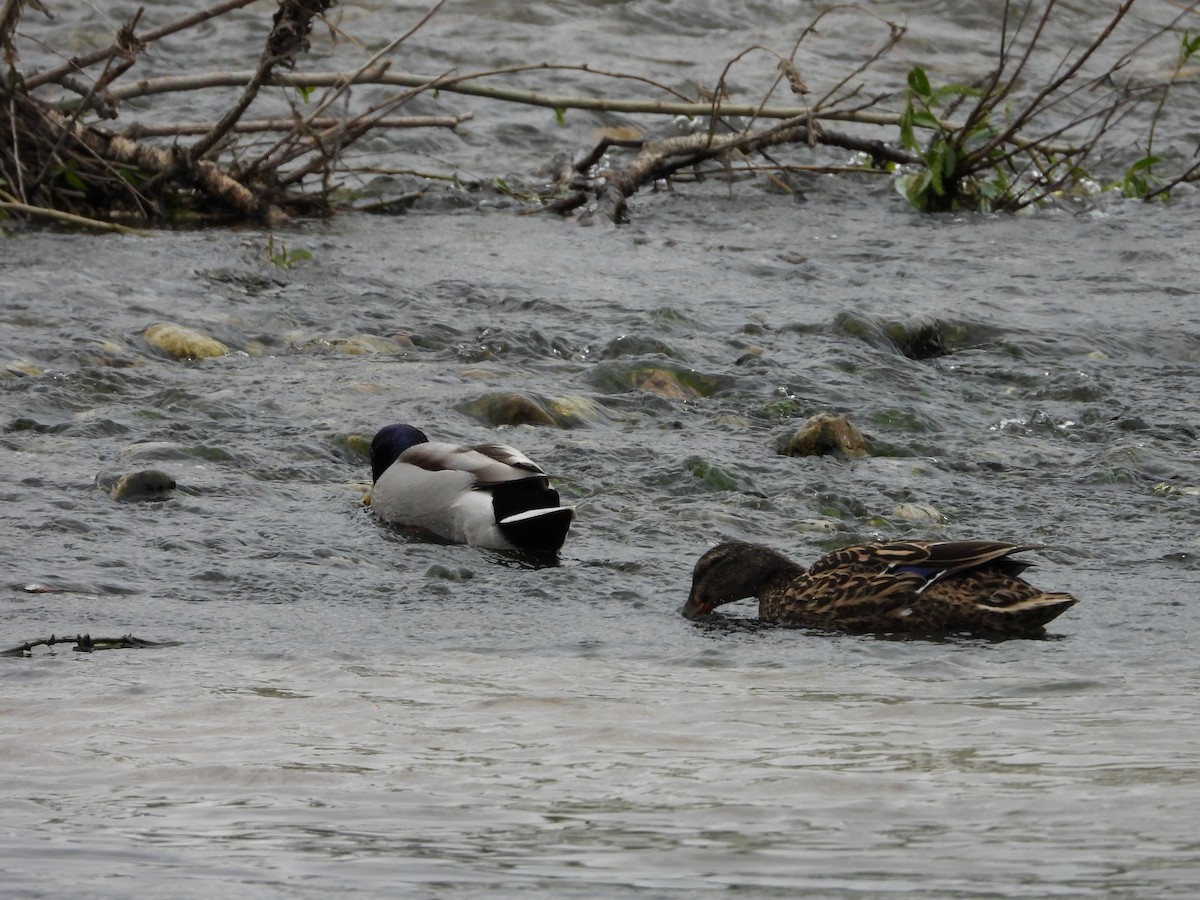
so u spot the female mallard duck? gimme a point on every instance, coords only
(489, 496)
(906, 586)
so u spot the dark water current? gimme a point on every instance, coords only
(352, 711)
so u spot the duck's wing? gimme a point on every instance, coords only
(846, 594)
(929, 559)
(880, 577)
(923, 586)
(506, 463)
(488, 464)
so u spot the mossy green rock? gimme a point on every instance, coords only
(823, 434)
(181, 342)
(574, 410)
(366, 344)
(507, 408)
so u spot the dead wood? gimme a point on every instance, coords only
(68, 156)
(55, 165)
(661, 160)
(85, 643)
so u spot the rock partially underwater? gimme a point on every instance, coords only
(136, 487)
(181, 342)
(823, 434)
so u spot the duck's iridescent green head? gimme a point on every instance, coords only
(389, 442)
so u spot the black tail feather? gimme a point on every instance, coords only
(538, 530)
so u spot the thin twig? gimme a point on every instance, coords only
(288, 38)
(468, 85)
(78, 63)
(1035, 105)
(253, 126)
(66, 218)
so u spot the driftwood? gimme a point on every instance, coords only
(978, 162)
(663, 159)
(1000, 142)
(54, 165)
(85, 643)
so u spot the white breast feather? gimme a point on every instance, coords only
(409, 495)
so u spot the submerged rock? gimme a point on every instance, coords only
(507, 408)
(574, 410)
(917, 338)
(181, 342)
(20, 368)
(666, 384)
(357, 345)
(356, 444)
(823, 434)
(919, 513)
(147, 484)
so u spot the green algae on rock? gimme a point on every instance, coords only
(181, 342)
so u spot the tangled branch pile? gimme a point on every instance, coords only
(994, 143)
(56, 164)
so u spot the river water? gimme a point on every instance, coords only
(348, 709)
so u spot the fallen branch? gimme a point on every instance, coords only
(288, 38)
(997, 141)
(63, 218)
(85, 643)
(252, 126)
(79, 63)
(119, 151)
(658, 160)
(472, 85)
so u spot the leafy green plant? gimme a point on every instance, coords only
(940, 184)
(1139, 181)
(283, 258)
(994, 159)
(970, 166)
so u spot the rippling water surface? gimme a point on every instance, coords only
(350, 710)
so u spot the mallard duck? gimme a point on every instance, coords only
(905, 586)
(491, 495)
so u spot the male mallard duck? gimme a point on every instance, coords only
(906, 586)
(490, 496)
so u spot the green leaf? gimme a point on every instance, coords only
(73, 180)
(1144, 164)
(305, 92)
(918, 190)
(560, 115)
(949, 162)
(918, 81)
(954, 90)
(926, 120)
(936, 162)
(907, 139)
(1188, 45)
(982, 132)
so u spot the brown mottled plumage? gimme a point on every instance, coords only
(919, 587)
